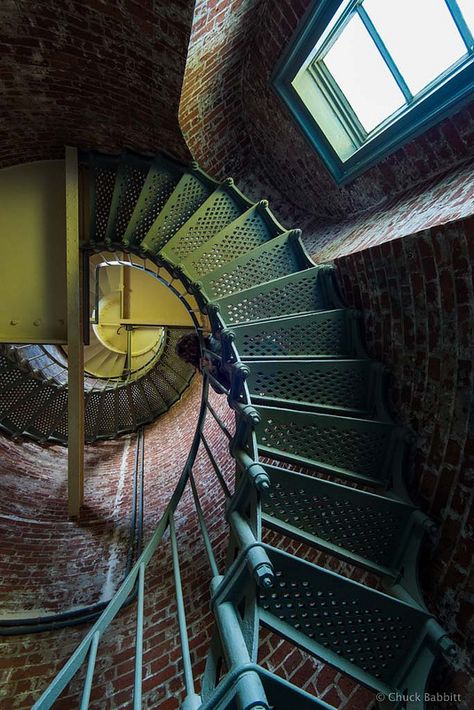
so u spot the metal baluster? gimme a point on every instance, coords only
(192, 700)
(137, 688)
(204, 532)
(90, 671)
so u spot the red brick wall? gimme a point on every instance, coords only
(27, 663)
(91, 73)
(417, 295)
(212, 104)
(445, 200)
(296, 170)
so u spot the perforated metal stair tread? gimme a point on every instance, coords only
(189, 194)
(220, 209)
(278, 257)
(372, 531)
(102, 176)
(252, 229)
(162, 179)
(364, 450)
(34, 408)
(305, 291)
(325, 334)
(351, 387)
(385, 644)
(131, 175)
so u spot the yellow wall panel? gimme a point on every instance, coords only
(33, 253)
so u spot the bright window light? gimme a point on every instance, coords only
(356, 64)
(420, 35)
(365, 76)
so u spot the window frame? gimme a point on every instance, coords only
(446, 94)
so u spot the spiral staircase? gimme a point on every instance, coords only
(318, 458)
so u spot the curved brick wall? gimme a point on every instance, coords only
(296, 169)
(28, 662)
(212, 107)
(91, 73)
(234, 123)
(418, 299)
(90, 557)
(48, 562)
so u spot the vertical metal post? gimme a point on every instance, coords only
(137, 687)
(74, 340)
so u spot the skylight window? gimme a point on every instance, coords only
(364, 76)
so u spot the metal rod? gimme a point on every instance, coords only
(216, 382)
(204, 532)
(137, 688)
(215, 466)
(86, 693)
(141, 496)
(219, 420)
(187, 668)
(133, 522)
(385, 54)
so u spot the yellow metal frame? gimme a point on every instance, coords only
(74, 340)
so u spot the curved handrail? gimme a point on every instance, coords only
(91, 639)
(244, 452)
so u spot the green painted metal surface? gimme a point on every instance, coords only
(273, 259)
(381, 642)
(351, 387)
(191, 191)
(302, 292)
(376, 532)
(323, 334)
(131, 175)
(102, 175)
(360, 449)
(312, 398)
(249, 231)
(220, 209)
(162, 178)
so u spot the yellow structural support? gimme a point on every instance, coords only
(33, 260)
(74, 340)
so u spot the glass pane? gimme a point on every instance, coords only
(420, 35)
(358, 68)
(467, 9)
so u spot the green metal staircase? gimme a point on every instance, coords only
(305, 395)
(34, 399)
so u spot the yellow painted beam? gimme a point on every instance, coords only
(33, 261)
(74, 340)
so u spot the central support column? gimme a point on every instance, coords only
(74, 340)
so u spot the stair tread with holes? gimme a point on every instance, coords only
(220, 209)
(376, 532)
(189, 194)
(322, 334)
(129, 181)
(350, 387)
(382, 642)
(162, 179)
(362, 450)
(254, 227)
(307, 291)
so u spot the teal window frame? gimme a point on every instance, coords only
(447, 94)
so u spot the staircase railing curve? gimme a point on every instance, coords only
(113, 405)
(303, 392)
